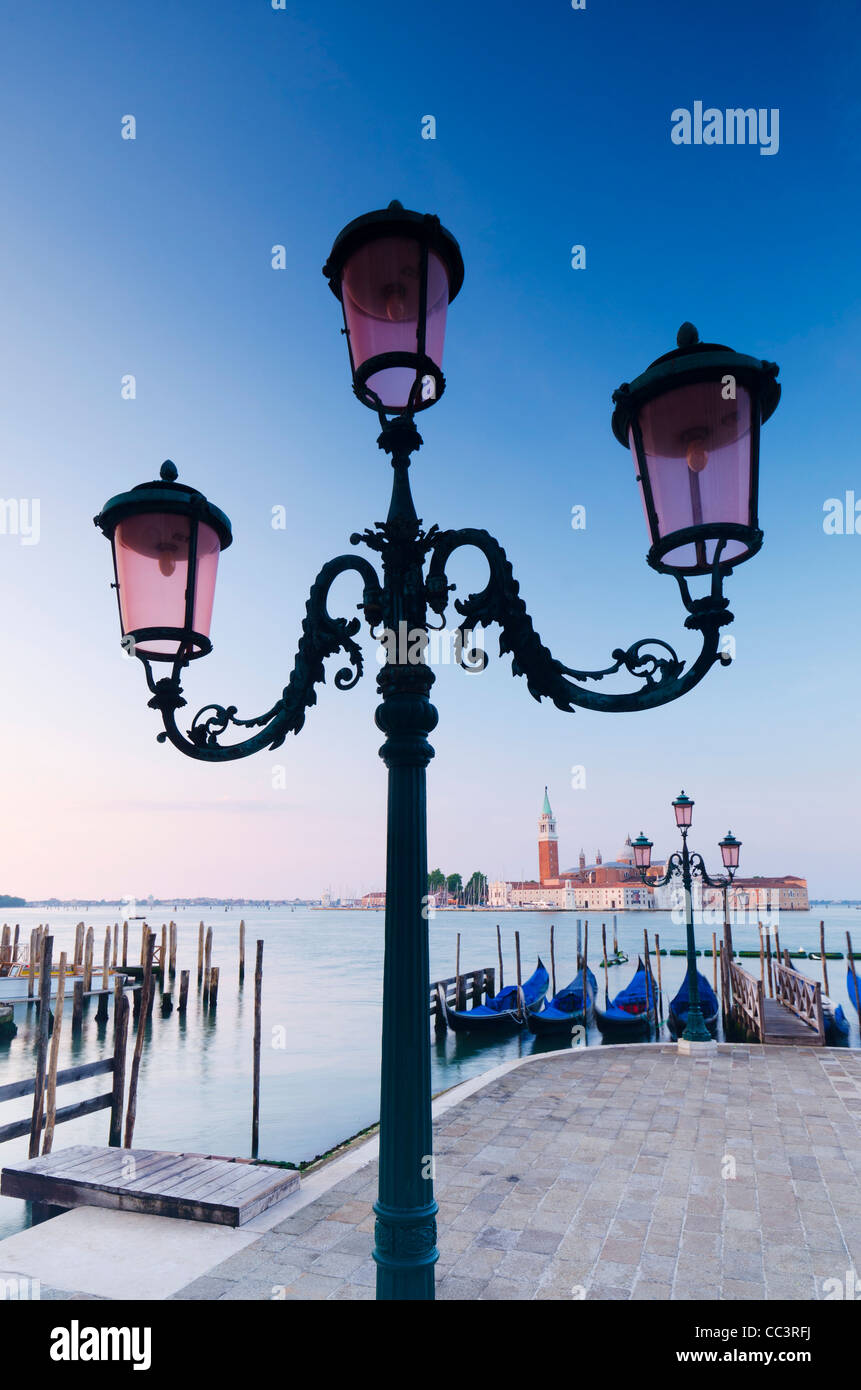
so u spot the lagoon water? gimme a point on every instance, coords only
(322, 985)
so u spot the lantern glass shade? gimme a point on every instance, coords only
(387, 312)
(156, 591)
(729, 848)
(642, 851)
(684, 809)
(693, 454)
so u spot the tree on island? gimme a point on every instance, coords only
(436, 880)
(6, 901)
(454, 884)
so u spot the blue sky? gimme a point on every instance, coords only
(258, 127)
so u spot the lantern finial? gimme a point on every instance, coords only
(687, 336)
(168, 472)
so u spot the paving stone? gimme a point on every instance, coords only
(603, 1171)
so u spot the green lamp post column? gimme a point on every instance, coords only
(695, 1027)
(405, 1235)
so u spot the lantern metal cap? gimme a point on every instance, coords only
(164, 494)
(691, 361)
(395, 220)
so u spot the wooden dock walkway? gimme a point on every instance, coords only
(793, 1018)
(222, 1191)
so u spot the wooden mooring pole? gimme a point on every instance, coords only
(714, 960)
(825, 988)
(258, 1023)
(658, 963)
(553, 962)
(146, 992)
(88, 961)
(183, 992)
(77, 1005)
(499, 953)
(241, 950)
(851, 959)
(121, 1033)
(207, 964)
(42, 1046)
(519, 984)
(458, 1002)
(102, 1010)
(200, 953)
(51, 1094)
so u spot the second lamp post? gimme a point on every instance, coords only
(688, 866)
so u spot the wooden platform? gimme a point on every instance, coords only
(785, 1028)
(146, 1180)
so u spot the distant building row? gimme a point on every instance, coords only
(616, 886)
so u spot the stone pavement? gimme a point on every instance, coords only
(611, 1173)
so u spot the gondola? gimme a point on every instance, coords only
(565, 1011)
(835, 1021)
(500, 1014)
(634, 1010)
(853, 988)
(677, 1015)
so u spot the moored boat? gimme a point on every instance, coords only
(565, 1011)
(634, 1009)
(501, 1013)
(677, 1015)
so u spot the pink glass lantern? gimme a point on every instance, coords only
(395, 273)
(642, 848)
(692, 424)
(684, 809)
(729, 849)
(166, 540)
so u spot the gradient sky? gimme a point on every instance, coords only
(257, 127)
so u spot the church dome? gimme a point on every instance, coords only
(626, 853)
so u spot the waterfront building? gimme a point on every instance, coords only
(615, 885)
(373, 900)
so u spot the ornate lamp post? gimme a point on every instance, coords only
(687, 866)
(395, 272)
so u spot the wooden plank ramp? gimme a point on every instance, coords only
(218, 1190)
(786, 1029)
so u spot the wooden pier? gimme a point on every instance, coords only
(473, 985)
(222, 1191)
(793, 1018)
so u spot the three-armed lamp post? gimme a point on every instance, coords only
(692, 424)
(687, 866)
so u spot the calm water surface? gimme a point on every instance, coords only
(322, 987)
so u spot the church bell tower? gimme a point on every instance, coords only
(548, 846)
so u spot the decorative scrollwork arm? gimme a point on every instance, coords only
(322, 636)
(698, 867)
(664, 675)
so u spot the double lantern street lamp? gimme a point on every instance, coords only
(692, 424)
(687, 866)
